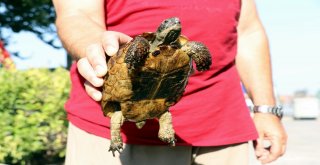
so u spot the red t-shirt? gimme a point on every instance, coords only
(212, 110)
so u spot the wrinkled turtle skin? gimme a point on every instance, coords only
(147, 76)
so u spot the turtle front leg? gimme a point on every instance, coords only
(199, 53)
(166, 132)
(137, 52)
(117, 120)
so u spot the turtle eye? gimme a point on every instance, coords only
(156, 53)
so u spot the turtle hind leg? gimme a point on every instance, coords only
(199, 53)
(140, 124)
(137, 52)
(166, 132)
(116, 122)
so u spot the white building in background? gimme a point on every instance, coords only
(306, 107)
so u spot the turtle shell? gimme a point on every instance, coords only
(149, 90)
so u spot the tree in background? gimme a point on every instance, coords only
(36, 16)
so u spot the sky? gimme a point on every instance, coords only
(34, 52)
(293, 28)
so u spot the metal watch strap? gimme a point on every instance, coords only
(275, 110)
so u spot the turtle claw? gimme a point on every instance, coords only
(113, 148)
(173, 143)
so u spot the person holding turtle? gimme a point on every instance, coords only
(211, 121)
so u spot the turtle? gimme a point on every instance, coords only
(147, 76)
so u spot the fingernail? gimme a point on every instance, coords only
(100, 70)
(97, 96)
(97, 82)
(111, 50)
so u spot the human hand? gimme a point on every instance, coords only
(94, 65)
(269, 129)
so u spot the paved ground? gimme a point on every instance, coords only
(303, 143)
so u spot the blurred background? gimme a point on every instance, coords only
(34, 80)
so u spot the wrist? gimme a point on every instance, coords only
(268, 109)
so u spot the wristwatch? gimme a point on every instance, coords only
(275, 110)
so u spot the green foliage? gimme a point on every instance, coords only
(32, 118)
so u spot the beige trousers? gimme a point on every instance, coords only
(87, 149)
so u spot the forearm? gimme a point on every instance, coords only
(77, 35)
(254, 66)
(79, 25)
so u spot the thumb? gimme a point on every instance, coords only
(111, 41)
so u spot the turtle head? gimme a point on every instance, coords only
(168, 31)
